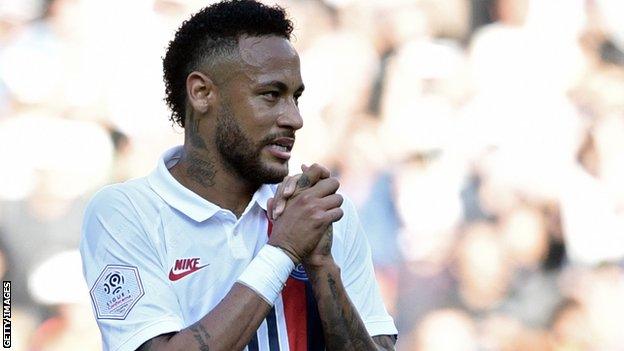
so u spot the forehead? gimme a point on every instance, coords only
(269, 57)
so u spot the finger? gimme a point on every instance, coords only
(312, 175)
(290, 187)
(323, 188)
(280, 201)
(331, 201)
(334, 215)
(324, 170)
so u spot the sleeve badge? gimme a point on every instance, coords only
(116, 291)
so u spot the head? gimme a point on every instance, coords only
(233, 81)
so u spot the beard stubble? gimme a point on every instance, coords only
(241, 155)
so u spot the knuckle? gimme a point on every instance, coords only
(318, 216)
(317, 168)
(306, 198)
(309, 210)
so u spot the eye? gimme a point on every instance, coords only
(271, 95)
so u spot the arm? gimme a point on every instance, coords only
(232, 323)
(342, 324)
(114, 234)
(223, 327)
(229, 326)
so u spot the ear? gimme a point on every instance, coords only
(200, 91)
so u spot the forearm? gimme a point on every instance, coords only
(229, 326)
(342, 326)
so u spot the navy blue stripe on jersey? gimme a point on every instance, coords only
(253, 343)
(316, 340)
(272, 329)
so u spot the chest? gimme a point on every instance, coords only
(202, 261)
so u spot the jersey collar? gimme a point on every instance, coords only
(185, 200)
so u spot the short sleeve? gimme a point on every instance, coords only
(358, 276)
(132, 299)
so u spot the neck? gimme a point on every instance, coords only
(203, 172)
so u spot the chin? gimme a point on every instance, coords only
(274, 173)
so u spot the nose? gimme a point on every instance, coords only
(291, 117)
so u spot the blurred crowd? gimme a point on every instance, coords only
(481, 140)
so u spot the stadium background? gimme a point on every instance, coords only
(482, 140)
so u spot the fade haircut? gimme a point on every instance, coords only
(211, 35)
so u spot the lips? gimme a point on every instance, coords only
(281, 147)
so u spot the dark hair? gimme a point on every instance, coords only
(210, 34)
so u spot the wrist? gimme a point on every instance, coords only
(267, 273)
(319, 263)
(293, 257)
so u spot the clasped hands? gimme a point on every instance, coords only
(302, 212)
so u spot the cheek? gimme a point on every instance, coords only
(255, 116)
(259, 119)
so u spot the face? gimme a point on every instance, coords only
(258, 113)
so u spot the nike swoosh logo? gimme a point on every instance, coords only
(176, 276)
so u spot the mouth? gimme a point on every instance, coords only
(281, 147)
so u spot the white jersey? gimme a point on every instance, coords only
(157, 258)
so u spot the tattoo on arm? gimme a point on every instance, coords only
(201, 336)
(344, 328)
(153, 343)
(386, 342)
(342, 325)
(147, 346)
(329, 239)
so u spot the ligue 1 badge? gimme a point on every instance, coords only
(116, 291)
(299, 273)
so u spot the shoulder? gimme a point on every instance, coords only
(119, 214)
(120, 207)
(130, 195)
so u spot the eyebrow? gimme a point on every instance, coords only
(281, 86)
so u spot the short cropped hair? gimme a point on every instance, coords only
(211, 34)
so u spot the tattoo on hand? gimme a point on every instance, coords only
(201, 336)
(200, 170)
(303, 181)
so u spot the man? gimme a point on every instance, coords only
(187, 258)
